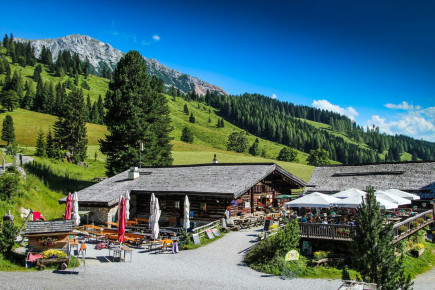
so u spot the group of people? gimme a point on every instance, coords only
(321, 218)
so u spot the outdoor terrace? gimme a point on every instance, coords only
(341, 232)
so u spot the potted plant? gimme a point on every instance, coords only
(420, 220)
(414, 224)
(402, 229)
(429, 216)
(418, 250)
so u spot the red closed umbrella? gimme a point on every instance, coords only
(121, 221)
(68, 207)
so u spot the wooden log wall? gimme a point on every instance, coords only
(61, 243)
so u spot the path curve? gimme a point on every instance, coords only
(218, 265)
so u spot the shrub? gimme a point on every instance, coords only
(7, 237)
(419, 246)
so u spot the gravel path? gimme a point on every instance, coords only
(215, 266)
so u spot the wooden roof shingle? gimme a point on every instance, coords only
(48, 227)
(212, 179)
(416, 177)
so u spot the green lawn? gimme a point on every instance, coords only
(28, 123)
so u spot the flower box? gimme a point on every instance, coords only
(402, 229)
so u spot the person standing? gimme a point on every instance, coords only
(174, 239)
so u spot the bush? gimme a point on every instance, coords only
(9, 185)
(418, 246)
(7, 237)
(275, 246)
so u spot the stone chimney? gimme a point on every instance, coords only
(133, 173)
(215, 161)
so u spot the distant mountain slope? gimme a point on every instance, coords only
(102, 55)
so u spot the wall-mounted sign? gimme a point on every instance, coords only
(196, 239)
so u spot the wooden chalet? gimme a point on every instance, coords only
(211, 189)
(413, 177)
(44, 235)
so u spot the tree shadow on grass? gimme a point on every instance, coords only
(54, 181)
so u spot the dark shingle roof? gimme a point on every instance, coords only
(48, 227)
(407, 176)
(216, 179)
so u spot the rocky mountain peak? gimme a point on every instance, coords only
(102, 54)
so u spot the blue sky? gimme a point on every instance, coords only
(371, 60)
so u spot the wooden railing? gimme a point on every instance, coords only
(412, 225)
(342, 232)
(325, 231)
(209, 226)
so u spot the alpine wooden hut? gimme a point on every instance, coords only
(44, 235)
(412, 177)
(211, 189)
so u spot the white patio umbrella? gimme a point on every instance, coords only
(355, 201)
(127, 205)
(392, 198)
(186, 222)
(386, 204)
(152, 203)
(156, 216)
(351, 192)
(315, 199)
(402, 194)
(75, 209)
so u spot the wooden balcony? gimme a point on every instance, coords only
(342, 232)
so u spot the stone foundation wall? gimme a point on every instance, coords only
(101, 215)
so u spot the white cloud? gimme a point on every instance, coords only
(402, 106)
(326, 105)
(412, 123)
(155, 38)
(274, 97)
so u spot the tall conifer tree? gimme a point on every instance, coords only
(135, 114)
(70, 127)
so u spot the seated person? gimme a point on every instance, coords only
(304, 219)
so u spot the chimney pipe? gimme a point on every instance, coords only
(133, 173)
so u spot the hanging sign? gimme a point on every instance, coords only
(292, 255)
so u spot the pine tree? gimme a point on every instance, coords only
(135, 114)
(255, 148)
(8, 130)
(372, 247)
(192, 118)
(40, 144)
(209, 120)
(37, 73)
(10, 100)
(100, 107)
(70, 127)
(7, 236)
(50, 145)
(88, 108)
(187, 135)
(186, 109)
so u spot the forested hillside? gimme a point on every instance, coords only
(42, 85)
(286, 124)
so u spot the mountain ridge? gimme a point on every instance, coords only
(101, 54)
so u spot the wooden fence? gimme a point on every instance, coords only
(339, 232)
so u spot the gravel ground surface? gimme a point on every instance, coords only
(218, 265)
